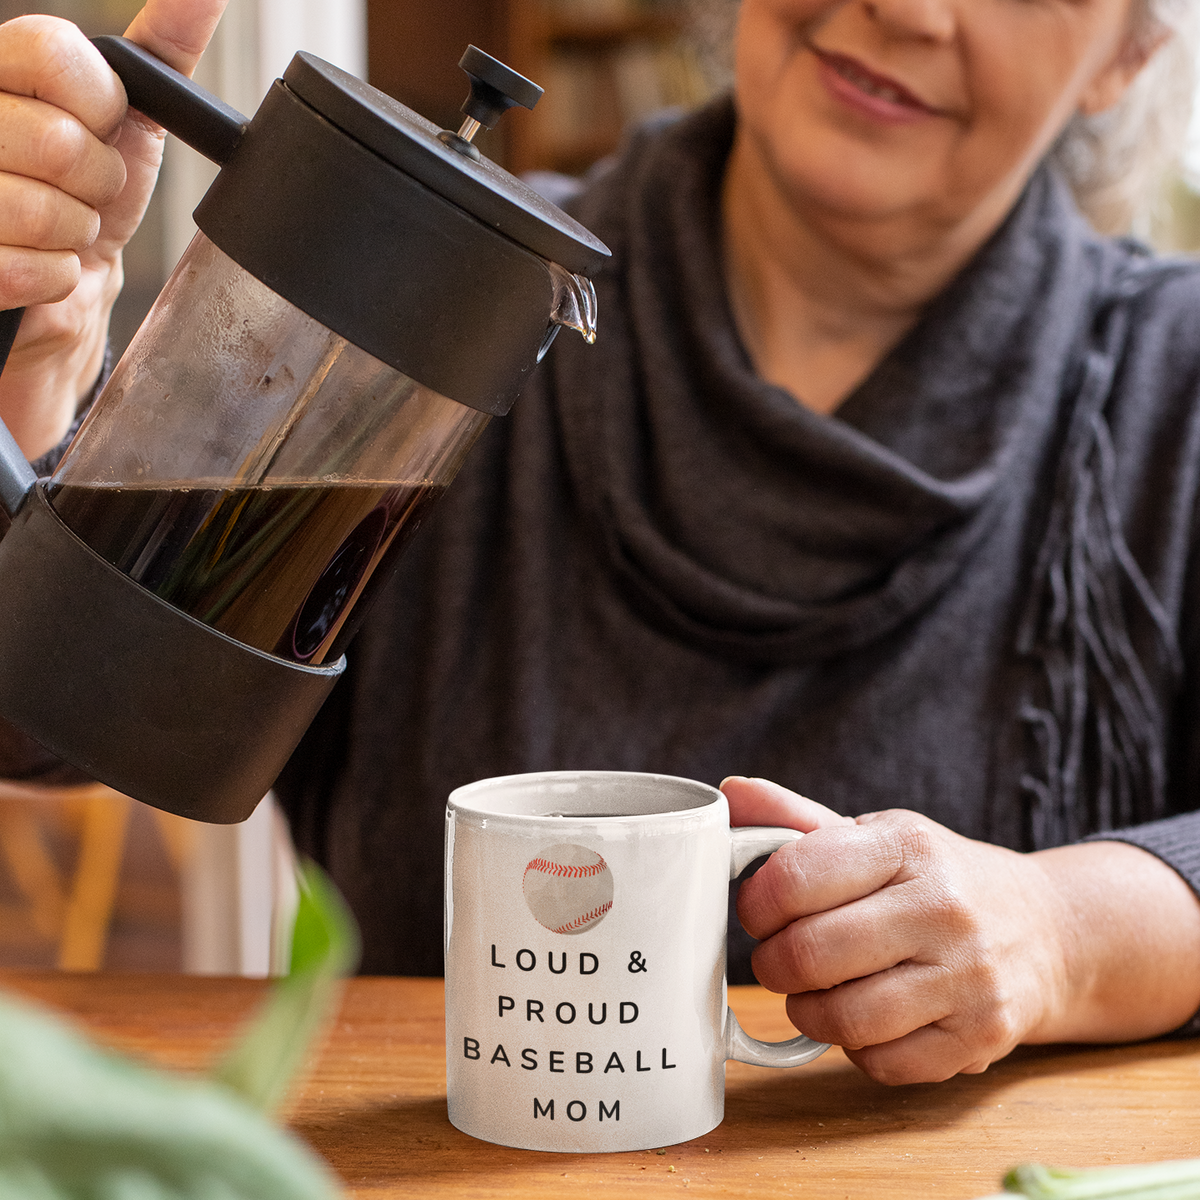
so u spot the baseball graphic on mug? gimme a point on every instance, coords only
(568, 888)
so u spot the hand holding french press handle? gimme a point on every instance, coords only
(213, 128)
(177, 104)
(179, 29)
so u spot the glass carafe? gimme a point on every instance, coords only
(254, 469)
(366, 292)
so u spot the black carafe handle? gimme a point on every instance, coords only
(180, 106)
(16, 475)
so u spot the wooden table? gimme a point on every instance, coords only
(374, 1104)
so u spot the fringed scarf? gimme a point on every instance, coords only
(1096, 730)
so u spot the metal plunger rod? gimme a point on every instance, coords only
(469, 128)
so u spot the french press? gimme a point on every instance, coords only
(365, 291)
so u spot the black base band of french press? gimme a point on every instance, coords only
(162, 707)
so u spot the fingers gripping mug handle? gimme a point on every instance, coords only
(748, 844)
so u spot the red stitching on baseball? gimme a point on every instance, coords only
(586, 919)
(563, 871)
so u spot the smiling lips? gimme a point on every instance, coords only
(880, 95)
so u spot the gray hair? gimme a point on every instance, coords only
(1116, 162)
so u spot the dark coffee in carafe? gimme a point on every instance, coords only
(287, 569)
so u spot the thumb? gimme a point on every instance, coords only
(761, 802)
(176, 31)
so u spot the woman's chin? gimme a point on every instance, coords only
(855, 192)
(843, 177)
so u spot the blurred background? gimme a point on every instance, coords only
(89, 879)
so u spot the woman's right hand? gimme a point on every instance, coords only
(76, 172)
(924, 953)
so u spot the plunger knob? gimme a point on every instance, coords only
(495, 89)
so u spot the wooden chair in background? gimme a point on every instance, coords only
(73, 906)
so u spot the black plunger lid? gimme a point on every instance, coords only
(408, 141)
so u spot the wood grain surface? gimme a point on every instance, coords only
(374, 1104)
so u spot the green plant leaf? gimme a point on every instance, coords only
(325, 947)
(81, 1123)
(1179, 1180)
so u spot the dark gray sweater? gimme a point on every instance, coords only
(972, 592)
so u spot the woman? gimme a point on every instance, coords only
(966, 594)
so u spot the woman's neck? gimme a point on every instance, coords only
(818, 299)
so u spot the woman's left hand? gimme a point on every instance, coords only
(924, 953)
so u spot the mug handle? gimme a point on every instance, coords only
(749, 843)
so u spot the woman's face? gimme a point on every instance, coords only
(927, 109)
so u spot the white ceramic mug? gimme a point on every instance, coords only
(585, 960)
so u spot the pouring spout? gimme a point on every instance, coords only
(574, 302)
